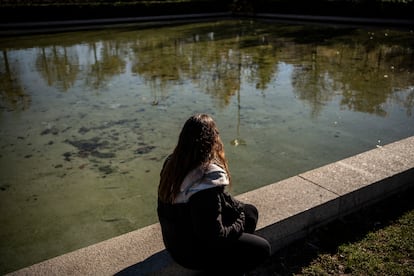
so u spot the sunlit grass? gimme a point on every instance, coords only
(375, 240)
(387, 251)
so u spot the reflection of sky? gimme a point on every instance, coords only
(284, 75)
(23, 65)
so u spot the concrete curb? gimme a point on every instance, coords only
(31, 28)
(338, 19)
(288, 209)
(28, 28)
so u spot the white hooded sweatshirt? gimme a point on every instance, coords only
(201, 179)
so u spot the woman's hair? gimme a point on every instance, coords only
(199, 144)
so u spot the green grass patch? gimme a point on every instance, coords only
(387, 251)
(376, 240)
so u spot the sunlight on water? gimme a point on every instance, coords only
(87, 118)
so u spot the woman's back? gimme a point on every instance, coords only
(204, 227)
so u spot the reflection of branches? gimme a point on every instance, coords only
(222, 80)
(217, 70)
(160, 64)
(365, 77)
(12, 93)
(218, 57)
(109, 64)
(58, 67)
(216, 61)
(213, 58)
(313, 84)
(408, 102)
(313, 88)
(367, 82)
(238, 141)
(263, 65)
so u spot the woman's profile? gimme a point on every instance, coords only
(204, 228)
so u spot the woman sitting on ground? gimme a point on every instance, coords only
(204, 228)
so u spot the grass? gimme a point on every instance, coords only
(387, 251)
(378, 240)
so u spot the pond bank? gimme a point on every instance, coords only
(289, 209)
(43, 27)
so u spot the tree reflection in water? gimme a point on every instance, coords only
(364, 67)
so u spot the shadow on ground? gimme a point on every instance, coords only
(326, 240)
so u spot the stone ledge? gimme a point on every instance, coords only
(288, 209)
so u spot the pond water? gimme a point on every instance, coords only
(87, 118)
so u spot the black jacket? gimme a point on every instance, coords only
(190, 229)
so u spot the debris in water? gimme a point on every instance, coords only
(50, 130)
(4, 187)
(111, 220)
(67, 156)
(103, 154)
(144, 149)
(106, 169)
(86, 145)
(83, 130)
(90, 147)
(238, 142)
(106, 125)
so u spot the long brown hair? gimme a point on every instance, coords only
(199, 144)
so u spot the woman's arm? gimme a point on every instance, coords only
(206, 211)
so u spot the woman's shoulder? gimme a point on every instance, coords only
(215, 175)
(214, 167)
(207, 193)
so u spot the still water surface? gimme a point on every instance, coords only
(87, 118)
